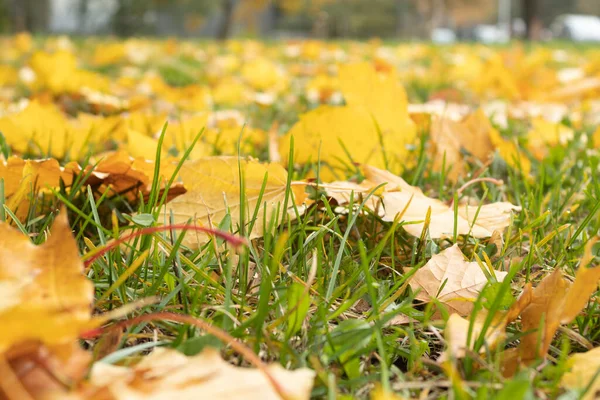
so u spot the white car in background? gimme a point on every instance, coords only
(490, 34)
(578, 28)
(443, 36)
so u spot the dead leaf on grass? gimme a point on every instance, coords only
(213, 191)
(400, 197)
(462, 281)
(168, 374)
(583, 368)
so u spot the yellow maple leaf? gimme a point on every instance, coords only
(142, 146)
(544, 134)
(229, 91)
(263, 74)
(44, 131)
(44, 284)
(510, 152)
(59, 73)
(213, 191)
(596, 137)
(8, 75)
(374, 127)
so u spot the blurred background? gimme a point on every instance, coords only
(442, 21)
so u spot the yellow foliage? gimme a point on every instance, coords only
(374, 127)
(544, 134)
(213, 191)
(43, 130)
(44, 284)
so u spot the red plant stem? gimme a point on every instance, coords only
(225, 337)
(497, 182)
(234, 240)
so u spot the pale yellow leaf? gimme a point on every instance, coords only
(461, 280)
(545, 134)
(400, 197)
(457, 328)
(213, 190)
(583, 367)
(168, 374)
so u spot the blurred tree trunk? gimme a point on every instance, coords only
(82, 14)
(531, 18)
(29, 15)
(227, 19)
(18, 15)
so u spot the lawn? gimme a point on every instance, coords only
(298, 219)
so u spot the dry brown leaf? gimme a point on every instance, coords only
(583, 367)
(168, 374)
(461, 280)
(449, 138)
(213, 190)
(122, 174)
(456, 332)
(342, 191)
(555, 301)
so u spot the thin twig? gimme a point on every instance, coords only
(225, 337)
(100, 251)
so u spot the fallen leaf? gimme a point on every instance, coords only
(168, 374)
(40, 129)
(400, 197)
(461, 280)
(59, 73)
(121, 174)
(374, 127)
(382, 394)
(44, 284)
(213, 191)
(544, 134)
(583, 368)
(510, 153)
(556, 301)
(449, 138)
(43, 174)
(457, 328)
